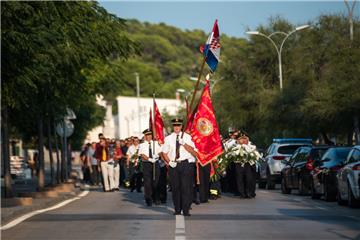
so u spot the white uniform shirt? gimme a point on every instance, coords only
(230, 144)
(169, 147)
(132, 150)
(144, 148)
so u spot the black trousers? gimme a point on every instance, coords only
(252, 185)
(195, 185)
(204, 175)
(135, 178)
(95, 175)
(150, 184)
(161, 187)
(245, 180)
(182, 178)
(123, 171)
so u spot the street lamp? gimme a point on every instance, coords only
(278, 49)
(213, 82)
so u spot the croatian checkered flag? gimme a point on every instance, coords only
(211, 49)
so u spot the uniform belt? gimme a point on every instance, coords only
(184, 160)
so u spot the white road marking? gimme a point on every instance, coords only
(180, 228)
(18, 220)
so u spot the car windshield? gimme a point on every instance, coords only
(318, 153)
(335, 156)
(288, 149)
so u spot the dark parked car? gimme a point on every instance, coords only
(325, 171)
(296, 173)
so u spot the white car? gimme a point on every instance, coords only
(276, 156)
(348, 179)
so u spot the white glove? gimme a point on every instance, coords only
(181, 141)
(172, 164)
(155, 156)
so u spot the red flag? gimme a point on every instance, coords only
(205, 131)
(190, 119)
(159, 125)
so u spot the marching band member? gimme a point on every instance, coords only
(179, 153)
(149, 152)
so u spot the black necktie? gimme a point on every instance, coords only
(177, 147)
(150, 152)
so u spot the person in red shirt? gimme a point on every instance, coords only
(117, 157)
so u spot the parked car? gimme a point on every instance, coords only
(323, 175)
(296, 173)
(348, 179)
(276, 156)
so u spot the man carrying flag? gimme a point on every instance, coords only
(206, 136)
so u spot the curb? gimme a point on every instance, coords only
(22, 218)
(27, 209)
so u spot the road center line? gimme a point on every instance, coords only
(22, 218)
(180, 228)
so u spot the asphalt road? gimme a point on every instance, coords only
(124, 216)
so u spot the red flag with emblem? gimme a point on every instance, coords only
(205, 131)
(159, 125)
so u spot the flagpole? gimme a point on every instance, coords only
(154, 133)
(195, 91)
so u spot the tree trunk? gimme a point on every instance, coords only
(5, 152)
(52, 181)
(62, 160)
(58, 178)
(41, 175)
(69, 163)
(350, 137)
(326, 139)
(356, 128)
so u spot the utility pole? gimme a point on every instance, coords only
(351, 25)
(138, 98)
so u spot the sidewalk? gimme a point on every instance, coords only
(28, 200)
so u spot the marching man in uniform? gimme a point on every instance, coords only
(149, 152)
(179, 152)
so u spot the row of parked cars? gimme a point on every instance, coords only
(324, 171)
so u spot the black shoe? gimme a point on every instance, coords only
(204, 201)
(187, 214)
(148, 203)
(163, 202)
(139, 191)
(157, 202)
(131, 190)
(197, 202)
(177, 213)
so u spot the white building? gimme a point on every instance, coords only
(132, 117)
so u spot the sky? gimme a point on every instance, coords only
(235, 17)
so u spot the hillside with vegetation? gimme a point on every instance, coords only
(320, 97)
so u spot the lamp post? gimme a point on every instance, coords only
(213, 82)
(138, 98)
(278, 49)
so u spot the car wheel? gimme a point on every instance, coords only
(270, 184)
(352, 202)
(340, 201)
(302, 189)
(314, 195)
(284, 188)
